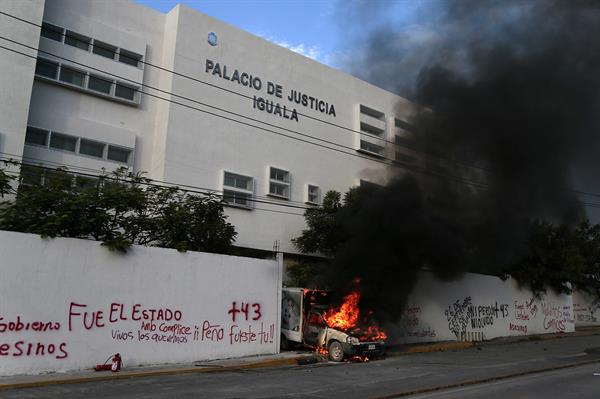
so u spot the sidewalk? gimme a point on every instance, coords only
(288, 358)
(283, 359)
(456, 345)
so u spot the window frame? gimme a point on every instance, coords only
(46, 140)
(85, 88)
(274, 182)
(308, 194)
(118, 147)
(78, 38)
(104, 148)
(371, 152)
(47, 26)
(247, 192)
(62, 68)
(68, 136)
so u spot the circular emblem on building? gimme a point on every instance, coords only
(212, 38)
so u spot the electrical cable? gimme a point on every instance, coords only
(251, 98)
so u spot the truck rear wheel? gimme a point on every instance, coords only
(336, 351)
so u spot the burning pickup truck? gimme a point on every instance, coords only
(308, 319)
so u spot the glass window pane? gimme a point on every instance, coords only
(76, 40)
(129, 58)
(52, 32)
(46, 68)
(63, 142)
(99, 84)
(278, 174)
(72, 76)
(118, 154)
(278, 189)
(124, 92)
(36, 136)
(91, 148)
(103, 49)
(236, 198)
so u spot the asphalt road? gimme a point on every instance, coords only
(390, 377)
(572, 383)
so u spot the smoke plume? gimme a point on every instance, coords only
(509, 92)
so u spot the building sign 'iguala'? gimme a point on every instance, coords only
(272, 89)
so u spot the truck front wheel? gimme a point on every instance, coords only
(336, 351)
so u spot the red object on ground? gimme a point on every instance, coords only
(115, 365)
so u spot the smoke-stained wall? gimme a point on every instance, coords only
(586, 309)
(68, 304)
(478, 307)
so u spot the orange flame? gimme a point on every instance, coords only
(347, 318)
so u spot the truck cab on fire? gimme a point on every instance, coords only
(303, 322)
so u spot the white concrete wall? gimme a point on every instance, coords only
(586, 309)
(94, 302)
(478, 307)
(16, 72)
(185, 146)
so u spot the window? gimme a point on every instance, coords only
(45, 68)
(129, 58)
(99, 84)
(407, 159)
(77, 40)
(125, 92)
(403, 141)
(52, 32)
(63, 142)
(104, 49)
(238, 190)
(404, 125)
(72, 76)
(372, 112)
(36, 136)
(371, 148)
(118, 154)
(279, 183)
(370, 129)
(313, 194)
(91, 148)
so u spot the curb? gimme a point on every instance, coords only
(154, 373)
(484, 380)
(458, 345)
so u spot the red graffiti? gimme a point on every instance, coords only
(118, 312)
(23, 348)
(244, 309)
(238, 335)
(18, 325)
(518, 328)
(210, 332)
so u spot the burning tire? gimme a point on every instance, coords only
(336, 351)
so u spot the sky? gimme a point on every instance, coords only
(324, 30)
(305, 26)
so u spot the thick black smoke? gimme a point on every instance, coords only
(509, 86)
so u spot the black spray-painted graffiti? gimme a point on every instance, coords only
(460, 315)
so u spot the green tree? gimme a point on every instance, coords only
(320, 236)
(119, 209)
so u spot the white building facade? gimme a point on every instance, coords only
(194, 102)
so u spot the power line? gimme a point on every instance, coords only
(406, 166)
(148, 183)
(383, 139)
(381, 159)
